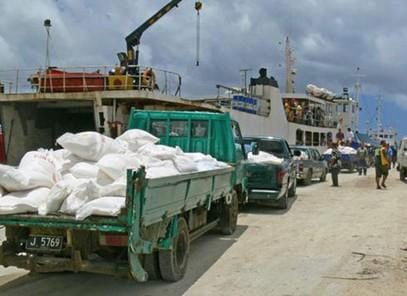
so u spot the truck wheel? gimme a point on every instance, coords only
(293, 188)
(283, 201)
(308, 178)
(151, 266)
(402, 174)
(323, 177)
(228, 216)
(173, 263)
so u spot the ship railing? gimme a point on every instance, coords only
(89, 78)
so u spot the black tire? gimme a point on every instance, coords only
(228, 216)
(308, 178)
(293, 189)
(402, 174)
(323, 177)
(283, 201)
(173, 263)
(151, 266)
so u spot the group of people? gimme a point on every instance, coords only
(382, 158)
(301, 113)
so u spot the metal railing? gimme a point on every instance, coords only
(89, 78)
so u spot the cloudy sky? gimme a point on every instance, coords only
(330, 40)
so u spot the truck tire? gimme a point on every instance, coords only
(151, 266)
(228, 215)
(173, 263)
(308, 178)
(293, 188)
(283, 201)
(402, 174)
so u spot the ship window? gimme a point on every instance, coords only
(179, 128)
(200, 128)
(308, 138)
(315, 139)
(323, 140)
(345, 108)
(385, 136)
(299, 137)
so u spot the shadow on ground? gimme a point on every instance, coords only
(266, 209)
(204, 253)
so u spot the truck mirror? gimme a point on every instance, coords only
(255, 148)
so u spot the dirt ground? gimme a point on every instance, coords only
(350, 240)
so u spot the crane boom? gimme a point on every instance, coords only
(133, 39)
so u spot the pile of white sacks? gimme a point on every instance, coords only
(88, 176)
(264, 157)
(342, 150)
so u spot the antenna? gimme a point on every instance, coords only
(379, 103)
(357, 87)
(289, 65)
(244, 71)
(47, 25)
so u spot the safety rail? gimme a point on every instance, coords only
(89, 78)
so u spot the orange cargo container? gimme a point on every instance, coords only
(54, 80)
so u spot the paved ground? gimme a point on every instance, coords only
(350, 240)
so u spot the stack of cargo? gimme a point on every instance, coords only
(88, 176)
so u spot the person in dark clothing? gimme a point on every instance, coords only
(335, 164)
(394, 156)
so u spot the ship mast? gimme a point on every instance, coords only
(358, 87)
(289, 66)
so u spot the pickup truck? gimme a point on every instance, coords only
(402, 159)
(269, 183)
(150, 239)
(310, 164)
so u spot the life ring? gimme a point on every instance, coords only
(148, 78)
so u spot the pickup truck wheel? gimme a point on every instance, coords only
(283, 201)
(323, 177)
(228, 216)
(308, 178)
(151, 266)
(173, 263)
(402, 174)
(293, 188)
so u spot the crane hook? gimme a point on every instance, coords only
(198, 7)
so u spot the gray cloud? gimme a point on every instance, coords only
(330, 39)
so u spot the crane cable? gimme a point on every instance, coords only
(198, 7)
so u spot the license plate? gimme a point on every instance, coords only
(44, 243)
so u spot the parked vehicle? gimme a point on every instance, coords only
(151, 237)
(311, 164)
(269, 183)
(402, 159)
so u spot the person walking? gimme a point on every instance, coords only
(335, 164)
(389, 154)
(381, 165)
(362, 154)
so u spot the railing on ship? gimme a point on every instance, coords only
(89, 78)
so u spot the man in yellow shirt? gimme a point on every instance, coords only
(381, 165)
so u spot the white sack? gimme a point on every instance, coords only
(58, 193)
(23, 201)
(84, 170)
(160, 151)
(13, 179)
(184, 164)
(264, 157)
(82, 194)
(104, 206)
(117, 188)
(102, 179)
(115, 165)
(164, 169)
(89, 145)
(136, 138)
(65, 160)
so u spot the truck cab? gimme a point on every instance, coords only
(270, 183)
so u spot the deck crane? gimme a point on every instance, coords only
(133, 39)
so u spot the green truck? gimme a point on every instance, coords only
(150, 239)
(269, 183)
